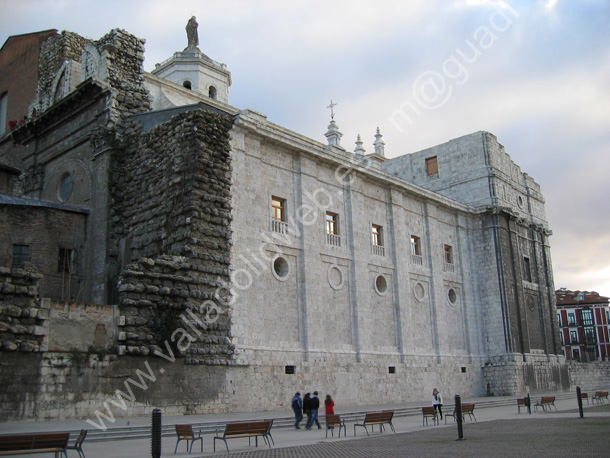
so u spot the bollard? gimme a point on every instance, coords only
(578, 395)
(528, 403)
(155, 443)
(458, 416)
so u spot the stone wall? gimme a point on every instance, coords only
(22, 319)
(594, 376)
(54, 52)
(171, 214)
(511, 377)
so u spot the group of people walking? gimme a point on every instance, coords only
(309, 406)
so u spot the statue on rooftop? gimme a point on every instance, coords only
(191, 32)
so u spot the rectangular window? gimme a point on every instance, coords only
(377, 233)
(21, 254)
(415, 245)
(66, 261)
(527, 271)
(278, 215)
(377, 239)
(573, 337)
(332, 229)
(448, 254)
(332, 223)
(431, 166)
(587, 317)
(571, 319)
(278, 207)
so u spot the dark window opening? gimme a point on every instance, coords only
(392, 370)
(212, 92)
(290, 370)
(21, 255)
(463, 370)
(187, 84)
(66, 261)
(527, 270)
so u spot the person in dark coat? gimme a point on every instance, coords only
(306, 406)
(314, 405)
(297, 407)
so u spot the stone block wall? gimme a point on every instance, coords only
(508, 376)
(171, 214)
(594, 376)
(22, 318)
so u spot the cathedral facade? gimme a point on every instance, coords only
(241, 261)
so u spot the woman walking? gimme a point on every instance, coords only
(329, 404)
(437, 402)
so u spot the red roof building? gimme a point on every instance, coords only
(584, 324)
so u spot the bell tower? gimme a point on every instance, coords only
(194, 70)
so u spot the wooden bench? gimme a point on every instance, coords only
(186, 433)
(334, 421)
(429, 412)
(376, 418)
(78, 445)
(545, 401)
(521, 402)
(25, 444)
(249, 429)
(584, 396)
(600, 396)
(467, 409)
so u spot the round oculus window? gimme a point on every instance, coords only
(381, 285)
(280, 268)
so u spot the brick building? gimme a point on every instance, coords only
(584, 321)
(19, 75)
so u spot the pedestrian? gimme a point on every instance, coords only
(306, 407)
(297, 406)
(329, 404)
(437, 402)
(314, 405)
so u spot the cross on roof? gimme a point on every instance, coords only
(331, 106)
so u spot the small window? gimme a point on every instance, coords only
(332, 223)
(392, 369)
(187, 84)
(573, 337)
(463, 370)
(21, 255)
(431, 166)
(66, 261)
(278, 207)
(290, 370)
(415, 245)
(448, 254)
(377, 233)
(527, 271)
(212, 92)
(381, 285)
(571, 319)
(281, 268)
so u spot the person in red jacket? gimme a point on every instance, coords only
(329, 404)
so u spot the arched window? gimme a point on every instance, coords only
(212, 92)
(187, 84)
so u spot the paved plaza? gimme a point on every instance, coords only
(499, 431)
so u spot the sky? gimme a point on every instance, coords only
(535, 73)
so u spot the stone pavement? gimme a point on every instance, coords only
(499, 431)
